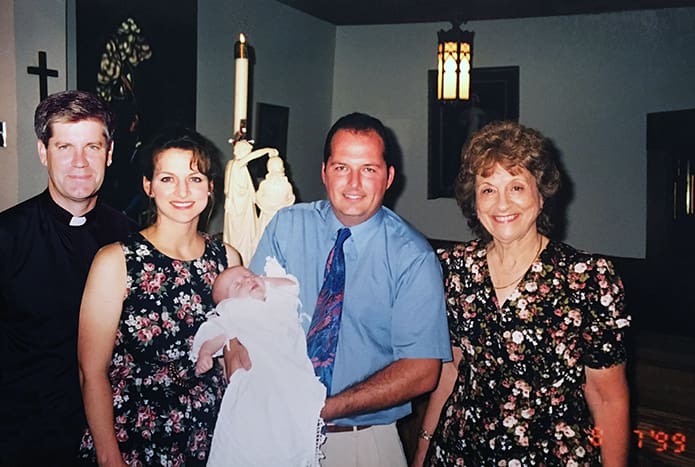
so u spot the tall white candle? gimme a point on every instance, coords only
(241, 85)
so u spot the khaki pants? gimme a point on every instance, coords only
(377, 446)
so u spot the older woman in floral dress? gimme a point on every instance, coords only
(537, 327)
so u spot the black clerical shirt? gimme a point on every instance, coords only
(44, 263)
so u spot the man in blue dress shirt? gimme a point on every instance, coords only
(393, 332)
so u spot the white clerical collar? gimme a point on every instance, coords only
(77, 221)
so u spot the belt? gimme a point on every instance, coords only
(343, 429)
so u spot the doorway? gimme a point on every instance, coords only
(671, 220)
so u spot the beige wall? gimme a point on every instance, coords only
(8, 106)
(586, 81)
(39, 25)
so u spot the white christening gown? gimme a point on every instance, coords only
(270, 414)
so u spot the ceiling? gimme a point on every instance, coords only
(361, 12)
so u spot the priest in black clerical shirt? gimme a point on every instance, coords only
(46, 247)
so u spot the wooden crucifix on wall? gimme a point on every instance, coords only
(43, 73)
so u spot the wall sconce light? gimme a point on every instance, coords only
(454, 63)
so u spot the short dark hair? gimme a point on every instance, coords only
(69, 107)
(512, 146)
(206, 157)
(359, 123)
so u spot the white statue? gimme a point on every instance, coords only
(243, 226)
(274, 192)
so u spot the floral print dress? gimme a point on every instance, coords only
(164, 414)
(518, 399)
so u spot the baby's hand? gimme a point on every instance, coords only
(203, 365)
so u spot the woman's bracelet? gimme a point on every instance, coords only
(424, 434)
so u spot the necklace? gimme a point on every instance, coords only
(515, 281)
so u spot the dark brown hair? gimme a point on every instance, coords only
(71, 107)
(206, 158)
(359, 123)
(512, 146)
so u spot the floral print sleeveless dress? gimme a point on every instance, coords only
(164, 414)
(518, 400)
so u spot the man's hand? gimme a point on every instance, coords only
(399, 382)
(235, 356)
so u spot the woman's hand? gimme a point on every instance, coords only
(203, 365)
(607, 394)
(438, 398)
(419, 456)
(235, 357)
(102, 303)
(114, 460)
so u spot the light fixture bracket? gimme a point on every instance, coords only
(454, 63)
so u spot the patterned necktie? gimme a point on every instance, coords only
(322, 338)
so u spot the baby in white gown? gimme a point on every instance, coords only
(269, 414)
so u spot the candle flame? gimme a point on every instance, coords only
(242, 38)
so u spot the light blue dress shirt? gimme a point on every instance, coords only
(394, 295)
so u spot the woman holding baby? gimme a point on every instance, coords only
(144, 300)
